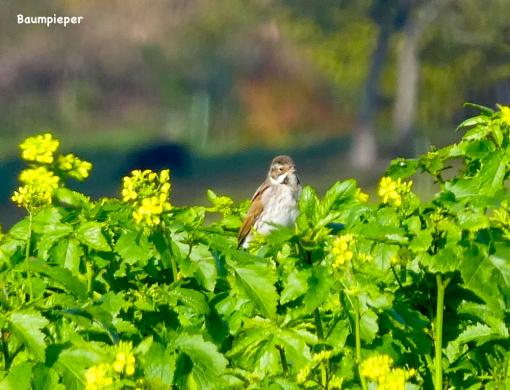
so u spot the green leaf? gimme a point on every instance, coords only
(132, 248)
(477, 268)
(340, 192)
(90, 234)
(308, 203)
(295, 284)
(64, 277)
(421, 242)
(45, 378)
(192, 298)
(27, 328)
(68, 253)
(18, 377)
(368, 325)
(474, 121)
(318, 289)
(158, 366)
(73, 361)
(208, 363)
(484, 110)
(402, 168)
(480, 333)
(256, 280)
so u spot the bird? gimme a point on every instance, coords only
(274, 203)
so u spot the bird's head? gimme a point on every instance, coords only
(281, 167)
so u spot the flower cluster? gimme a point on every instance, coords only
(391, 191)
(379, 369)
(342, 249)
(98, 377)
(505, 114)
(39, 148)
(38, 187)
(124, 359)
(74, 166)
(321, 357)
(148, 192)
(361, 196)
(103, 375)
(46, 171)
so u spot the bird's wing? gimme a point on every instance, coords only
(256, 208)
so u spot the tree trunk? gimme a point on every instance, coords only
(364, 149)
(404, 113)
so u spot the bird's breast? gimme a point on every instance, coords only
(280, 208)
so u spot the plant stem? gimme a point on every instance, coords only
(27, 256)
(438, 334)
(172, 256)
(357, 335)
(396, 277)
(5, 351)
(285, 365)
(318, 324)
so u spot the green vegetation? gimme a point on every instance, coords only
(134, 293)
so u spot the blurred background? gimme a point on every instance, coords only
(214, 89)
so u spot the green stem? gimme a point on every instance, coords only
(5, 351)
(357, 334)
(285, 365)
(318, 324)
(438, 334)
(172, 257)
(27, 256)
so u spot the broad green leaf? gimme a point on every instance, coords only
(27, 327)
(208, 364)
(64, 277)
(294, 344)
(295, 284)
(68, 253)
(45, 378)
(192, 298)
(480, 333)
(72, 362)
(133, 248)
(91, 234)
(402, 168)
(339, 193)
(477, 268)
(308, 203)
(18, 377)
(368, 325)
(158, 366)
(256, 281)
(318, 289)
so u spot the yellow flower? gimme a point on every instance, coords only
(74, 167)
(98, 377)
(322, 356)
(39, 177)
(124, 359)
(302, 374)
(39, 186)
(342, 249)
(39, 148)
(505, 114)
(391, 191)
(361, 196)
(378, 369)
(376, 366)
(148, 192)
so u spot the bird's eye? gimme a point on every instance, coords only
(280, 169)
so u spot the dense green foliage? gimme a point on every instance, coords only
(425, 283)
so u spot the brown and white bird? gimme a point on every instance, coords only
(274, 203)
